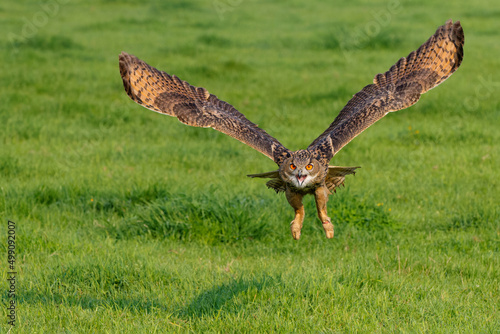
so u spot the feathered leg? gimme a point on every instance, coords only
(321, 197)
(295, 201)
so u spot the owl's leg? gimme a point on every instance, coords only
(295, 201)
(321, 196)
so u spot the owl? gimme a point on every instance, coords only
(306, 171)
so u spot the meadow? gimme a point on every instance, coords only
(129, 222)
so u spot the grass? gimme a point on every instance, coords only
(128, 221)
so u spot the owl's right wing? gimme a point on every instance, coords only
(194, 106)
(396, 89)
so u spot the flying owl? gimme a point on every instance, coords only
(306, 171)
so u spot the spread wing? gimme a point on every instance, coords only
(396, 89)
(195, 106)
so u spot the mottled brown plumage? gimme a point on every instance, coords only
(195, 106)
(304, 171)
(396, 89)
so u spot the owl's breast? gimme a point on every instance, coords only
(309, 189)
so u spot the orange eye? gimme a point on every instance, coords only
(293, 167)
(309, 167)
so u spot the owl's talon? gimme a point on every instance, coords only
(307, 171)
(328, 227)
(295, 228)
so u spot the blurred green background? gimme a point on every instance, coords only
(128, 221)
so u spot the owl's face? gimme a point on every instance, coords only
(301, 170)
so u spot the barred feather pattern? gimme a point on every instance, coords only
(396, 89)
(194, 106)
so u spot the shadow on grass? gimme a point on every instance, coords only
(212, 301)
(140, 305)
(208, 303)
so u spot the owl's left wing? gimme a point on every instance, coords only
(396, 89)
(195, 106)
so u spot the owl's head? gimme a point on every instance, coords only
(302, 170)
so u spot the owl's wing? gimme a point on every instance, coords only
(396, 89)
(195, 106)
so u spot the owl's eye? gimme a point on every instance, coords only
(293, 167)
(309, 167)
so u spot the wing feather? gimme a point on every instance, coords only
(336, 176)
(194, 106)
(399, 88)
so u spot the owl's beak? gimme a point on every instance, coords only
(300, 178)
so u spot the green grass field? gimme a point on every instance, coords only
(129, 222)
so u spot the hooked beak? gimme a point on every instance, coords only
(300, 178)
